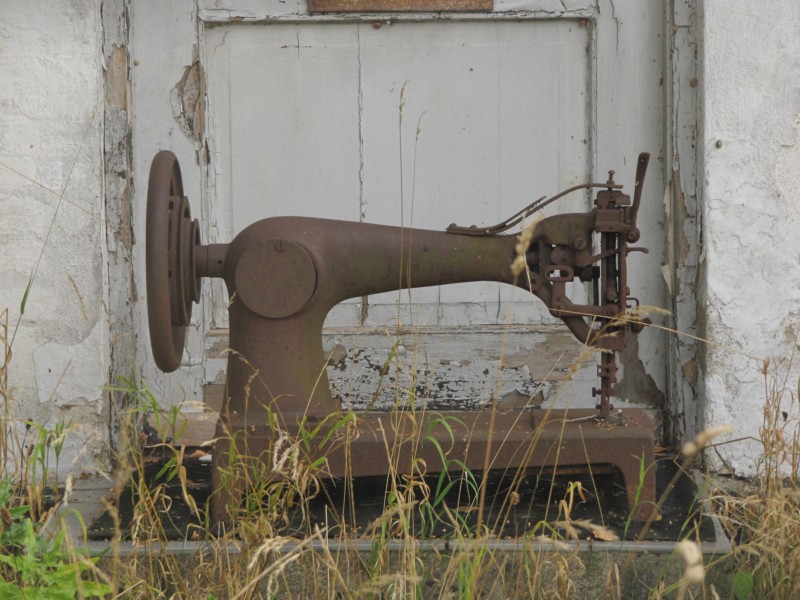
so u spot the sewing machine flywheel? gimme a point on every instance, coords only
(172, 280)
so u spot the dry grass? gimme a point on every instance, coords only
(389, 558)
(762, 515)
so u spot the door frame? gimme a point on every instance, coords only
(151, 88)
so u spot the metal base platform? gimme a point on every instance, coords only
(363, 444)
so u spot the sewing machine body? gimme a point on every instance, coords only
(285, 274)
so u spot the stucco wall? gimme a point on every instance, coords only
(51, 111)
(751, 212)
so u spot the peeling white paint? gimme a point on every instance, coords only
(440, 368)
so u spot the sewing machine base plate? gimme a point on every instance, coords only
(379, 443)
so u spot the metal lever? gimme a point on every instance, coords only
(641, 171)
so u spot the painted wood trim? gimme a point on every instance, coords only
(683, 198)
(372, 6)
(215, 12)
(117, 197)
(215, 18)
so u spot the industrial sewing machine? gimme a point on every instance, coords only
(285, 274)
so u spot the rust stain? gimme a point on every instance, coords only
(214, 396)
(518, 400)
(337, 355)
(690, 372)
(124, 233)
(191, 90)
(218, 348)
(547, 361)
(636, 384)
(117, 146)
(117, 79)
(679, 202)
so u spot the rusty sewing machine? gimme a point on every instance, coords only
(283, 276)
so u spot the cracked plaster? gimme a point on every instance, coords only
(752, 261)
(51, 110)
(72, 375)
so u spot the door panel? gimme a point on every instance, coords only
(307, 121)
(303, 117)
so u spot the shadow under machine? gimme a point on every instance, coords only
(285, 274)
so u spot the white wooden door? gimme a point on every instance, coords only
(421, 120)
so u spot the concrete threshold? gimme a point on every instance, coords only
(188, 547)
(87, 495)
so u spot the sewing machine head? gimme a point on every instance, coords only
(285, 274)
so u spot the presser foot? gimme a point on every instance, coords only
(565, 441)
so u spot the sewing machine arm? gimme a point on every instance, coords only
(285, 274)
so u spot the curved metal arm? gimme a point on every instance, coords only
(517, 217)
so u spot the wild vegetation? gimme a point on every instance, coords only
(390, 557)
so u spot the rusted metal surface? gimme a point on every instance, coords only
(561, 251)
(517, 441)
(381, 6)
(285, 274)
(172, 286)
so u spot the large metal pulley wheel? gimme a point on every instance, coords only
(172, 281)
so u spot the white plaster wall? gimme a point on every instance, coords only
(51, 109)
(751, 215)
